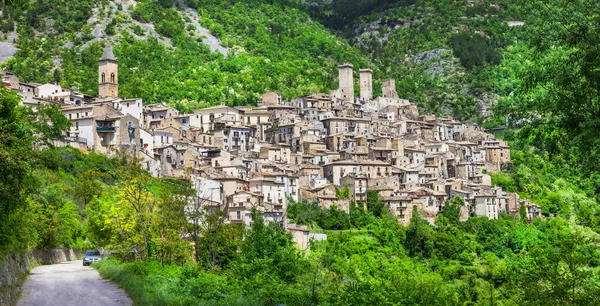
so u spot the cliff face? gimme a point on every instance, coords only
(14, 268)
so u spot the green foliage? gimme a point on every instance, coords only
(375, 203)
(475, 49)
(419, 236)
(472, 263)
(139, 31)
(21, 129)
(110, 27)
(505, 181)
(559, 274)
(309, 213)
(523, 212)
(451, 210)
(272, 47)
(342, 193)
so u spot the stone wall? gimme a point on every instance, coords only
(14, 268)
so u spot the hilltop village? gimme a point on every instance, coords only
(241, 158)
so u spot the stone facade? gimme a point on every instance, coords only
(303, 149)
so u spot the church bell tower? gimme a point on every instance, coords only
(108, 74)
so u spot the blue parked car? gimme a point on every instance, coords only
(91, 256)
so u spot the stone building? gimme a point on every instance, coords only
(108, 74)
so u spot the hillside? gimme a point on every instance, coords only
(443, 54)
(211, 239)
(446, 54)
(162, 53)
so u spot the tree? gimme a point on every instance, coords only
(523, 213)
(560, 273)
(560, 95)
(334, 219)
(267, 248)
(16, 142)
(358, 216)
(451, 210)
(419, 236)
(342, 193)
(20, 129)
(375, 203)
(205, 225)
(449, 240)
(170, 226)
(136, 207)
(87, 187)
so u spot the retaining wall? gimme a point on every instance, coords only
(14, 268)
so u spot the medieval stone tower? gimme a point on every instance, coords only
(108, 74)
(346, 82)
(388, 88)
(366, 84)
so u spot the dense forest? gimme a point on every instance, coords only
(446, 55)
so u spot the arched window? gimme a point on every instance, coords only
(103, 77)
(112, 77)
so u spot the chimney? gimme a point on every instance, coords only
(346, 82)
(366, 84)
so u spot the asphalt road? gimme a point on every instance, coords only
(69, 283)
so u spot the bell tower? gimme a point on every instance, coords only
(108, 74)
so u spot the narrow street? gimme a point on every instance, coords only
(69, 283)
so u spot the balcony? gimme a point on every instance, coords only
(105, 129)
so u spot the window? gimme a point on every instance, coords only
(112, 78)
(77, 125)
(86, 113)
(103, 77)
(239, 214)
(69, 116)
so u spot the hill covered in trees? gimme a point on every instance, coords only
(161, 53)
(445, 55)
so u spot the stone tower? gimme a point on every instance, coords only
(388, 89)
(366, 84)
(346, 82)
(108, 74)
